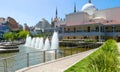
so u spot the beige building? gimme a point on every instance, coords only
(91, 23)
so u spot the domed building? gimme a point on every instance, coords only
(91, 23)
(89, 8)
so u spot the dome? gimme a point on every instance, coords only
(89, 8)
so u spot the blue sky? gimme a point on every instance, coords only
(32, 11)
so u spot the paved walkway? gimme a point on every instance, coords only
(59, 65)
(118, 47)
(119, 52)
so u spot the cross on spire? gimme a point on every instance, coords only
(89, 1)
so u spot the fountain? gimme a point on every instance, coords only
(38, 43)
(33, 41)
(41, 43)
(28, 41)
(55, 41)
(47, 44)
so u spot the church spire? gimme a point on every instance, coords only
(89, 1)
(74, 7)
(56, 13)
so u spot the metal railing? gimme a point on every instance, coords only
(16, 62)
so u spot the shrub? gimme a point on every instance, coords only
(89, 40)
(105, 59)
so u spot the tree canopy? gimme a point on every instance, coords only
(12, 35)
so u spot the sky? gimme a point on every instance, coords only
(32, 11)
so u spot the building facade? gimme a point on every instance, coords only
(8, 24)
(43, 26)
(26, 27)
(12, 24)
(91, 23)
(3, 27)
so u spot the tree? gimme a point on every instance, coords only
(9, 36)
(5, 36)
(22, 34)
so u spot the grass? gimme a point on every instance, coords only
(105, 59)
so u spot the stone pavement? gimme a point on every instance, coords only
(58, 65)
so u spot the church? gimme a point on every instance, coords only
(90, 23)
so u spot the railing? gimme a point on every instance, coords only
(90, 33)
(82, 34)
(16, 62)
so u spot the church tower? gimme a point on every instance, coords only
(55, 19)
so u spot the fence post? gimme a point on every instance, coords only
(5, 65)
(27, 59)
(71, 51)
(44, 58)
(55, 53)
(87, 47)
(64, 53)
(95, 46)
(77, 51)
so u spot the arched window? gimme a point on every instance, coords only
(64, 29)
(88, 29)
(74, 29)
(74, 37)
(85, 37)
(68, 37)
(68, 29)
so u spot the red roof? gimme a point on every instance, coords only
(95, 21)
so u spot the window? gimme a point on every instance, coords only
(74, 37)
(68, 37)
(74, 29)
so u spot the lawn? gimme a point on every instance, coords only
(105, 59)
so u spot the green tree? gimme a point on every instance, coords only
(22, 34)
(5, 36)
(9, 36)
